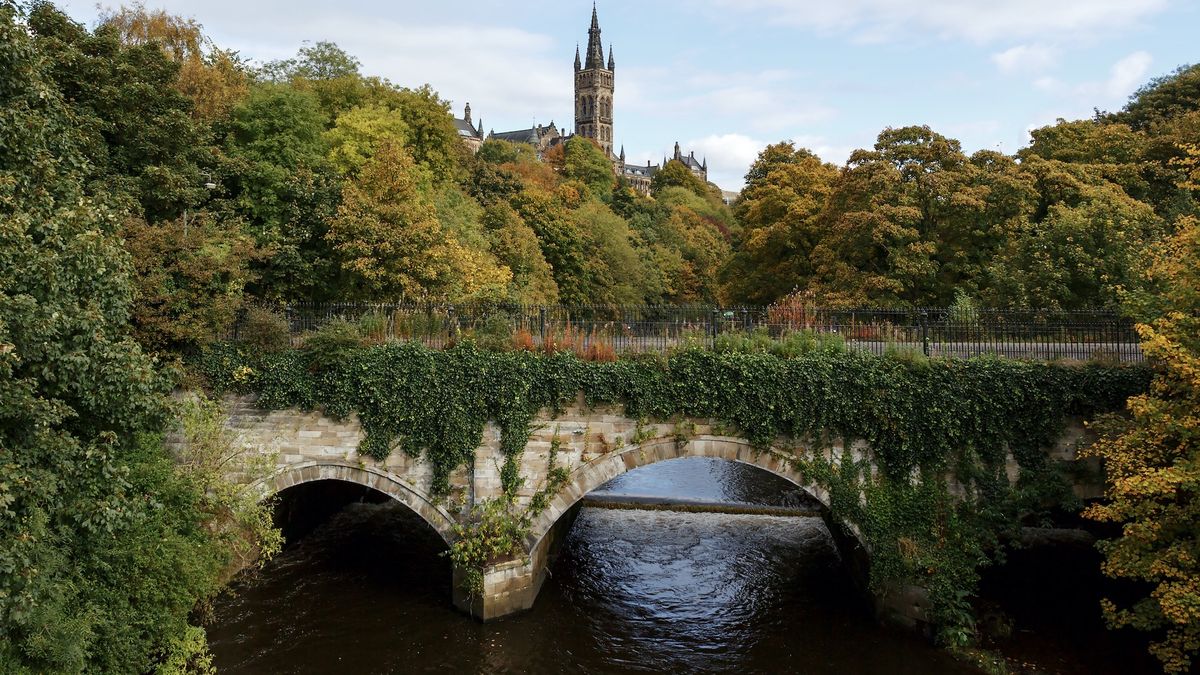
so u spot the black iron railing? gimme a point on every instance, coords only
(955, 332)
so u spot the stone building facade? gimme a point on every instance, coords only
(595, 88)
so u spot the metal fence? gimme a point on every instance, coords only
(954, 332)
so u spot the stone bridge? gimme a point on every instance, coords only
(594, 444)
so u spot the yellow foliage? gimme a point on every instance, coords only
(213, 78)
(1152, 461)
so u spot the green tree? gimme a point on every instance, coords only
(137, 130)
(562, 242)
(358, 133)
(1163, 99)
(613, 271)
(1082, 252)
(516, 246)
(104, 549)
(675, 174)
(281, 187)
(584, 161)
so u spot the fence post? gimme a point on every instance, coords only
(542, 323)
(712, 325)
(925, 331)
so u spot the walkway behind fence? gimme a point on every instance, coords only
(1023, 334)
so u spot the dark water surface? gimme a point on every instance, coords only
(631, 592)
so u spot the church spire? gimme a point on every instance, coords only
(595, 50)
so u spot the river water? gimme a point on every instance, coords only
(367, 591)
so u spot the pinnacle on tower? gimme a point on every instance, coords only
(578, 65)
(595, 50)
(611, 64)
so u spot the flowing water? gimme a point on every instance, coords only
(631, 592)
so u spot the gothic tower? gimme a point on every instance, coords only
(594, 90)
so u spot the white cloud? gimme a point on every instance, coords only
(1125, 76)
(730, 155)
(974, 20)
(1031, 57)
(771, 101)
(1128, 74)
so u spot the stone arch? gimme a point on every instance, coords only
(421, 504)
(604, 468)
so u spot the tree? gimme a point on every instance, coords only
(1163, 99)
(138, 132)
(676, 174)
(357, 134)
(561, 240)
(516, 246)
(786, 191)
(189, 280)
(391, 245)
(1152, 461)
(613, 271)
(1081, 252)
(584, 161)
(214, 79)
(278, 125)
(104, 549)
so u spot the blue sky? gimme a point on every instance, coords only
(727, 77)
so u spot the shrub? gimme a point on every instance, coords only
(373, 327)
(265, 331)
(332, 343)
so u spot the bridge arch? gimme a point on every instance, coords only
(604, 468)
(298, 474)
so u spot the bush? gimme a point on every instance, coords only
(495, 334)
(372, 327)
(790, 345)
(332, 343)
(265, 331)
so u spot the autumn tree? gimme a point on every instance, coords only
(1152, 461)
(391, 245)
(214, 79)
(786, 190)
(189, 280)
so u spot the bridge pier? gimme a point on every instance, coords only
(511, 586)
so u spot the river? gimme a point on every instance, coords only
(367, 591)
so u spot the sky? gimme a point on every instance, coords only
(725, 78)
